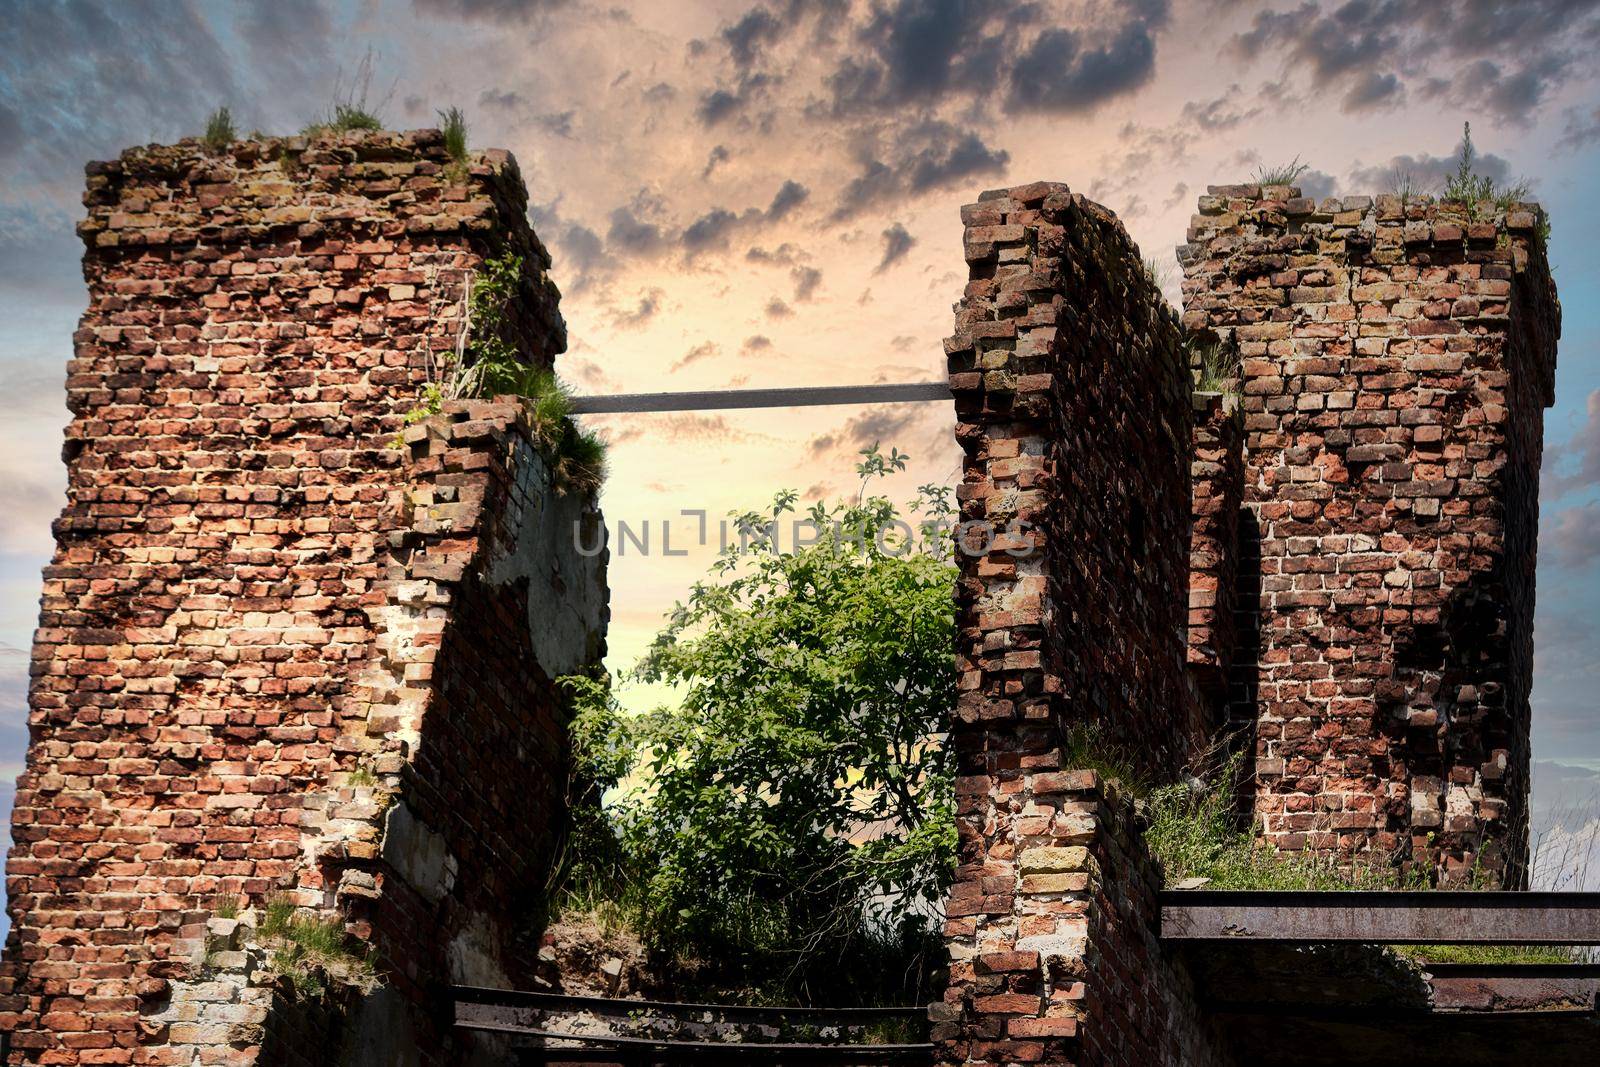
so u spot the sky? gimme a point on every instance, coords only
(744, 193)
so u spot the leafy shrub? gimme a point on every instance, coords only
(797, 805)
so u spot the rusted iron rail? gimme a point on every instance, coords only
(799, 397)
(1384, 918)
(526, 1018)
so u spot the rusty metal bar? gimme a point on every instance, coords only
(799, 397)
(545, 1002)
(1385, 918)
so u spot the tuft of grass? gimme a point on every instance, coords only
(1218, 363)
(227, 908)
(1281, 175)
(1086, 747)
(453, 124)
(1403, 185)
(362, 778)
(1196, 830)
(1157, 272)
(220, 132)
(312, 953)
(350, 108)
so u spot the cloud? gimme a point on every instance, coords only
(1583, 448)
(790, 195)
(501, 100)
(717, 155)
(1580, 129)
(784, 254)
(1574, 535)
(756, 343)
(1427, 172)
(1220, 114)
(487, 10)
(1059, 74)
(1507, 59)
(777, 309)
(885, 424)
(633, 235)
(649, 304)
(703, 350)
(806, 281)
(926, 155)
(1372, 90)
(897, 241)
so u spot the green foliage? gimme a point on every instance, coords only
(1280, 175)
(1405, 186)
(362, 778)
(490, 364)
(1218, 363)
(219, 130)
(1085, 747)
(1489, 954)
(431, 403)
(312, 954)
(796, 807)
(1472, 188)
(453, 124)
(1156, 272)
(1196, 831)
(350, 109)
(226, 908)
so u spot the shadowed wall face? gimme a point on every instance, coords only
(1396, 361)
(272, 644)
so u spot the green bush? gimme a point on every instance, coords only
(796, 806)
(219, 130)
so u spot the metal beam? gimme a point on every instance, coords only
(721, 399)
(1385, 918)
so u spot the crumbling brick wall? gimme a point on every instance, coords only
(1217, 488)
(276, 654)
(1397, 357)
(1074, 414)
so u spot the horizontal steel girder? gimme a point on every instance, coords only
(721, 399)
(1385, 918)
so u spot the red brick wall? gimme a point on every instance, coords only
(1074, 413)
(1397, 358)
(1217, 488)
(225, 603)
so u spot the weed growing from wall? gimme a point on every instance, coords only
(488, 363)
(453, 124)
(312, 953)
(220, 132)
(1284, 174)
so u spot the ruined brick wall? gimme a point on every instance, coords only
(1397, 357)
(1074, 414)
(275, 654)
(1217, 489)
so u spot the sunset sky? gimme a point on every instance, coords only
(766, 194)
